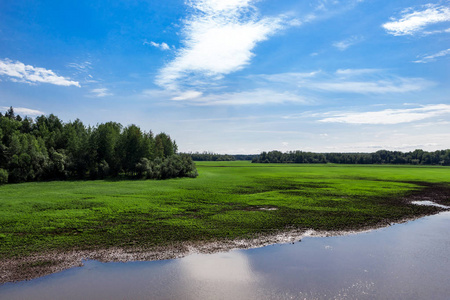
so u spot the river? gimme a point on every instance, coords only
(403, 261)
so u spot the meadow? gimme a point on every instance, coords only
(227, 200)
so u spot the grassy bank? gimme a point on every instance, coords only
(227, 200)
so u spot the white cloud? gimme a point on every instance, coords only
(390, 116)
(81, 67)
(333, 5)
(188, 95)
(29, 74)
(162, 46)
(389, 145)
(213, 6)
(300, 87)
(430, 58)
(412, 22)
(437, 31)
(101, 92)
(286, 77)
(355, 72)
(359, 81)
(254, 97)
(219, 39)
(23, 111)
(401, 85)
(343, 45)
(251, 97)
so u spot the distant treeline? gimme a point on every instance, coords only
(48, 149)
(209, 156)
(416, 157)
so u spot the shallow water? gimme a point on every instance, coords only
(404, 261)
(429, 203)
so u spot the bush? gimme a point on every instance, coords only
(3, 176)
(103, 169)
(144, 168)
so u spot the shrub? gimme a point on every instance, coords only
(144, 168)
(3, 176)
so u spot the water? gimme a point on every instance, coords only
(404, 261)
(429, 203)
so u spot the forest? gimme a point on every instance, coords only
(48, 149)
(416, 157)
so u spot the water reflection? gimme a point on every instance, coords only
(232, 267)
(218, 276)
(406, 261)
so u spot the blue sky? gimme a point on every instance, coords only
(237, 76)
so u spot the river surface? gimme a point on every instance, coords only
(404, 261)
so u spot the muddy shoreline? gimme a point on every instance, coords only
(31, 267)
(38, 265)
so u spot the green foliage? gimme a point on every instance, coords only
(227, 200)
(49, 149)
(3, 176)
(10, 113)
(144, 168)
(105, 140)
(416, 157)
(208, 156)
(164, 147)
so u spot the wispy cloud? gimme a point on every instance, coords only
(356, 72)
(400, 85)
(359, 81)
(286, 77)
(82, 67)
(447, 30)
(390, 116)
(259, 96)
(253, 97)
(23, 111)
(162, 46)
(20, 72)
(386, 145)
(101, 92)
(344, 44)
(187, 95)
(218, 39)
(325, 9)
(430, 58)
(414, 21)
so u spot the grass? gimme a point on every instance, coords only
(227, 200)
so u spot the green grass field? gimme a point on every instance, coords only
(227, 200)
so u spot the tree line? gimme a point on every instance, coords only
(210, 156)
(416, 157)
(48, 149)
